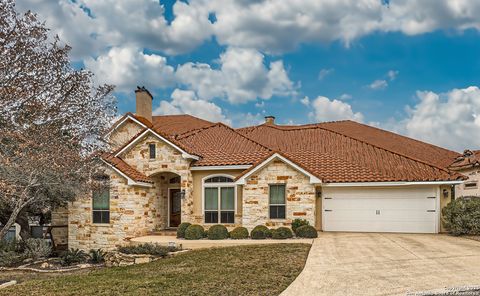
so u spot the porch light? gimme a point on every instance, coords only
(445, 193)
(182, 194)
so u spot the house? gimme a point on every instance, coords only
(468, 164)
(340, 176)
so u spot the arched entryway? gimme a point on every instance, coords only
(169, 199)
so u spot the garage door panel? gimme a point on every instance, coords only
(389, 210)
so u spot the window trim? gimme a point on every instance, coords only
(474, 183)
(284, 198)
(109, 210)
(150, 145)
(219, 186)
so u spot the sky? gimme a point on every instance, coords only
(408, 66)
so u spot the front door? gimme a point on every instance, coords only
(175, 207)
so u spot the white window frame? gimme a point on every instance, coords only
(284, 198)
(219, 186)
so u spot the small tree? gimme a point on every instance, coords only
(52, 118)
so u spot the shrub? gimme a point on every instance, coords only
(36, 248)
(266, 231)
(239, 233)
(146, 248)
(298, 223)
(97, 255)
(217, 232)
(194, 231)
(72, 256)
(282, 233)
(10, 258)
(181, 229)
(257, 234)
(306, 231)
(462, 216)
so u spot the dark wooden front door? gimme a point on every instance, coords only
(175, 207)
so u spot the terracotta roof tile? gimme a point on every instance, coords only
(126, 168)
(468, 159)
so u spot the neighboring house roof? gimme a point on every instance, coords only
(469, 159)
(334, 154)
(342, 151)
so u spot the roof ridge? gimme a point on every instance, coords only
(240, 134)
(194, 131)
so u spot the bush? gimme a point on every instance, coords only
(181, 229)
(217, 232)
(73, 256)
(462, 216)
(239, 233)
(10, 258)
(306, 231)
(97, 256)
(298, 223)
(260, 232)
(194, 231)
(36, 248)
(282, 233)
(146, 248)
(266, 231)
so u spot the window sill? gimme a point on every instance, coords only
(101, 224)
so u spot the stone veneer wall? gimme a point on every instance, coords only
(60, 218)
(300, 196)
(134, 210)
(124, 133)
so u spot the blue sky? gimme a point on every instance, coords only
(407, 66)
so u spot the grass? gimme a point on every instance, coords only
(241, 270)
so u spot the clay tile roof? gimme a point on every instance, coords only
(339, 157)
(219, 144)
(468, 159)
(125, 168)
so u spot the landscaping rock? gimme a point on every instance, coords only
(120, 259)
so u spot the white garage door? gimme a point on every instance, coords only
(406, 209)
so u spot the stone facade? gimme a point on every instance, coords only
(300, 196)
(123, 134)
(473, 175)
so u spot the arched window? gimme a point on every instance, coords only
(219, 199)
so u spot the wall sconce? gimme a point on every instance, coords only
(182, 194)
(319, 194)
(445, 193)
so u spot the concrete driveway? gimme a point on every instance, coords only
(386, 264)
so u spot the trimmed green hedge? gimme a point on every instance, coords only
(217, 232)
(239, 233)
(282, 233)
(462, 216)
(181, 229)
(306, 231)
(298, 223)
(194, 231)
(260, 232)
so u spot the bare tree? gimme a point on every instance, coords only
(52, 118)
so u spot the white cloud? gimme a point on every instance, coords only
(186, 102)
(344, 97)
(127, 67)
(378, 84)
(305, 101)
(449, 119)
(324, 73)
(392, 74)
(325, 109)
(242, 76)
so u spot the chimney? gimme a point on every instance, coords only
(144, 103)
(269, 119)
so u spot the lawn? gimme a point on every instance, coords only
(241, 270)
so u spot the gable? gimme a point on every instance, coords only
(123, 133)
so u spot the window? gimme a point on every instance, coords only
(219, 200)
(277, 201)
(153, 154)
(101, 206)
(470, 185)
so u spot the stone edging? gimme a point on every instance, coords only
(48, 270)
(8, 284)
(460, 291)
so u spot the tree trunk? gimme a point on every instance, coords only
(10, 222)
(22, 220)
